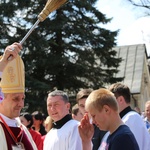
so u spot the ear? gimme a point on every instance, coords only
(106, 108)
(68, 106)
(29, 122)
(120, 99)
(73, 116)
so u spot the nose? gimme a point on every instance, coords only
(52, 107)
(93, 121)
(21, 103)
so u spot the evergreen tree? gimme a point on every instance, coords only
(68, 51)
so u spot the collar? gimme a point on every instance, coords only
(125, 111)
(10, 122)
(60, 123)
(146, 120)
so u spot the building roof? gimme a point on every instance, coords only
(132, 65)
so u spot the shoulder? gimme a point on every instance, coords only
(132, 116)
(123, 139)
(122, 132)
(33, 132)
(132, 113)
(73, 122)
(71, 125)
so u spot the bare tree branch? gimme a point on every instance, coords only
(141, 3)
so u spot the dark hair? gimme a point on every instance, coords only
(84, 93)
(120, 89)
(28, 117)
(60, 93)
(37, 115)
(75, 109)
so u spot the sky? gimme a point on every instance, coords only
(134, 27)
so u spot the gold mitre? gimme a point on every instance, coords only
(13, 77)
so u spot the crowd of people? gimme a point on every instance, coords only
(101, 119)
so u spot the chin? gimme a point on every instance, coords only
(16, 114)
(101, 128)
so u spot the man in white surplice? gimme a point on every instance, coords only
(64, 134)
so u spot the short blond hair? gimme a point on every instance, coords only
(98, 98)
(48, 123)
(147, 103)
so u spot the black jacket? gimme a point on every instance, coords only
(97, 137)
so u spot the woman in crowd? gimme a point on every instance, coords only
(38, 122)
(27, 120)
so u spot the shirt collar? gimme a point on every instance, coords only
(10, 122)
(125, 111)
(60, 123)
(145, 119)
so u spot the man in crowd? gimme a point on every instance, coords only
(130, 117)
(81, 97)
(147, 115)
(103, 108)
(13, 135)
(64, 134)
(76, 113)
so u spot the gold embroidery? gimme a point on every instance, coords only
(10, 75)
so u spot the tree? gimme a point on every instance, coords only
(68, 51)
(142, 4)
